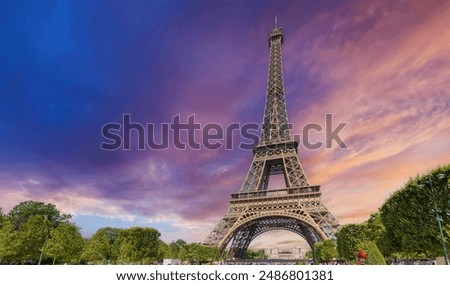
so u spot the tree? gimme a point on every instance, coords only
(65, 244)
(177, 249)
(163, 250)
(348, 238)
(8, 242)
(31, 239)
(29, 223)
(203, 254)
(200, 254)
(137, 245)
(374, 256)
(196, 253)
(409, 217)
(25, 210)
(374, 229)
(325, 251)
(193, 252)
(250, 254)
(99, 248)
(110, 233)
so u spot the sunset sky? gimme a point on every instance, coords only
(68, 68)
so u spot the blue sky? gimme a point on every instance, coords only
(67, 68)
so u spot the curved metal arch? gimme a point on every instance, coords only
(269, 215)
(247, 232)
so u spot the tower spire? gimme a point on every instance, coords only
(275, 127)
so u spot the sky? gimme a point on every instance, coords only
(68, 68)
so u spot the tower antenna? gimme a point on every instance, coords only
(276, 21)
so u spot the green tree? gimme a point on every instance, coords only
(193, 252)
(348, 238)
(325, 251)
(99, 248)
(410, 223)
(173, 251)
(374, 256)
(25, 210)
(137, 245)
(31, 238)
(215, 254)
(178, 249)
(110, 233)
(65, 244)
(8, 242)
(374, 229)
(250, 254)
(200, 254)
(163, 250)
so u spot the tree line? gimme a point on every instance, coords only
(37, 233)
(404, 227)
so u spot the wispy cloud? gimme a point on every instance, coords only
(382, 67)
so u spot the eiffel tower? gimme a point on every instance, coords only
(255, 209)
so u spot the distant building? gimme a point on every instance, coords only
(295, 253)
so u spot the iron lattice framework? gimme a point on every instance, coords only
(255, 209)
